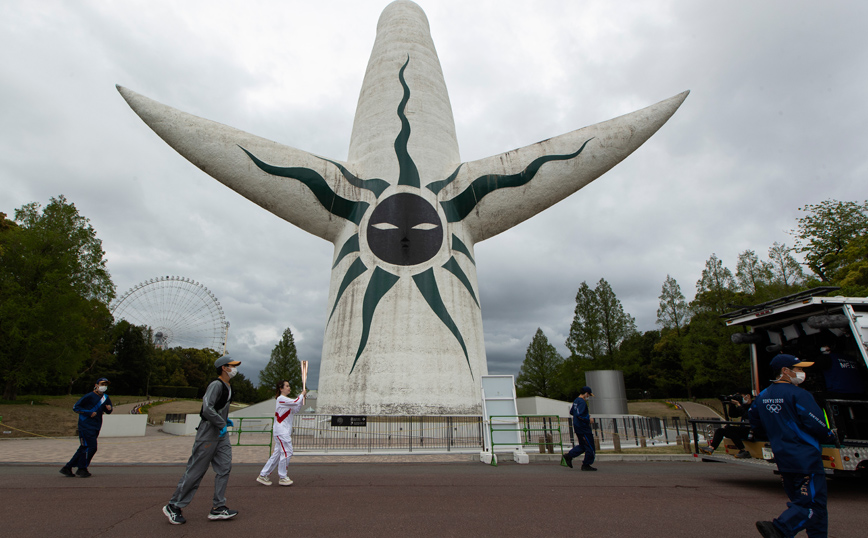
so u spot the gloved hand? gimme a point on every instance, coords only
(230, 423)
(223, 431)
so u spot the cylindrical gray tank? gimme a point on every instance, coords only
(610, 396)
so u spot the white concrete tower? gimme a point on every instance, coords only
(404, 332)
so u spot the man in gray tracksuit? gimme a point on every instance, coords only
(211, 447)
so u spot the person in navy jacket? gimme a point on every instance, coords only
(794, 424)
(90, 409)
(582, 425)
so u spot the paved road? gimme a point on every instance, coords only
(697, 410)
(418, 499)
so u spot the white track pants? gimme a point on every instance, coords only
(280, 457)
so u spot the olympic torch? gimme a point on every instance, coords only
(303, 376)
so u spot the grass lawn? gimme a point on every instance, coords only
(655, 408)
(157, 413)
(50, 416)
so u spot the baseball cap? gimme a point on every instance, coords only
(586, 389)
(788, 361)
(225, 360)
(100, 380)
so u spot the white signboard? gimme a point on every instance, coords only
(501, 413)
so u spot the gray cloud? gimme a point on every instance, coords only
(773, 123)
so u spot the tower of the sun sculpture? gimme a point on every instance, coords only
(404, 330)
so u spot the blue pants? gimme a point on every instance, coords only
(807, 507)
(86, 450)
(585, 446)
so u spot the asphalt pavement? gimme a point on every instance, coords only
(453, 499)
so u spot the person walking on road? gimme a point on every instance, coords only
(285, 408)
(794, 424)
(90, 409)
(211, 447)
(582, 425)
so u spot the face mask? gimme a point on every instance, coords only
(800, 377)
(232, 372)
(102, 388)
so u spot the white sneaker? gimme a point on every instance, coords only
(287, 481)
(263, 480)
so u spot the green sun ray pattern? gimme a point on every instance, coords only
(453, 267)
(380, 284)
(356, 270)
(352, 245)
(427, 284)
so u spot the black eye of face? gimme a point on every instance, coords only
(405, 230)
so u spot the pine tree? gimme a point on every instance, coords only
(283, 365)
(673, 313)
(539, 369)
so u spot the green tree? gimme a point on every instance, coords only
(715, 290)
(616, 324)
(635, 360)
(710, 362)
(134, 356)
(825, 232)
(539, 369)
(853, 274)
(284, 364)
(243, 390)
(751, 273)
(667, 371)
(786, 270)
(54, 292)
(672, 313)
(586, 332)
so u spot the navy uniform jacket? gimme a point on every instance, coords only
(794, 424)
(87, 404)
(842, 375)
(581, 416)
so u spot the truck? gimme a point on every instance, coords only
(832, 332)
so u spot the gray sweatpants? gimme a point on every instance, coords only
(217, 454)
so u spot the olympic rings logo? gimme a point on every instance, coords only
(773, 408)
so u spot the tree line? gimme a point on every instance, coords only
(57, 332)
(691, 354)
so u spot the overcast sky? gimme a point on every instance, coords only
(775, 120)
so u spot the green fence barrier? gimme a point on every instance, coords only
(526, 425)
(257, 425)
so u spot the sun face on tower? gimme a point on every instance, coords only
(404, 233)
(404, 229)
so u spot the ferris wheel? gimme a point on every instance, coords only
(181, 312)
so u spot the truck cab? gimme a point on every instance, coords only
(832, 332)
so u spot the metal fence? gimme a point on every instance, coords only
(323, 433)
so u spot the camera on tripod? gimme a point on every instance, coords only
(727, 399)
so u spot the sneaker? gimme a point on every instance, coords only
(569, 461)
(82, 473)
(285, 481)
(174, 514)
(768, 530)
(66, 471)
(263, 480)
(588, 468)
(221, 512)
(743, 455)
(707, 450)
